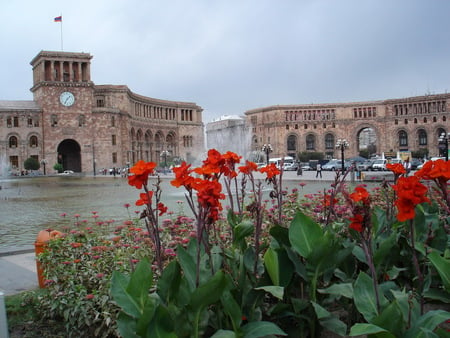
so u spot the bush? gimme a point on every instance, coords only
(58, 167)
(31, 164)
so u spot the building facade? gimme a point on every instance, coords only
(389, 126)
(87, 127)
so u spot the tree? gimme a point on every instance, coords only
(31, 164)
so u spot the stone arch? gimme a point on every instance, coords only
(171, 142)
(311, 142)
(69, 155)
(159, 140)
(367, 139)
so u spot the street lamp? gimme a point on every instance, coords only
(267, 149)
(342, 144)
(164, 154)
(443, 145)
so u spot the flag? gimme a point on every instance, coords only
(58, 18)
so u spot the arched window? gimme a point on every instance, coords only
(33, 141)
(13, 142)
(329, 141)
(292, 143)
(402, 138)
(422, 134)
(310, 142)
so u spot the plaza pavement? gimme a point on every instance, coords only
(18, 267)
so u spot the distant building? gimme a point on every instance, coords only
(411, 124)
(85, 126)
(228, 133)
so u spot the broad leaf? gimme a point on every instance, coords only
(343, 289)
(224, 334)
(278, 266)
(231, 308)
(428, 321)
(122, 297)
(303, 234)
(276, 291)
(169, 282)
(364, 297)
(365, 329)
(442, 266)
(188, 265)
(210, 292)
(261, 329)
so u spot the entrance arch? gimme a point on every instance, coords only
(69, 155)
(367, 142)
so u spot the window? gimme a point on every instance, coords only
(13, 142)
(30, 122)
(310, 142)
(81, 120)
(33, 141)
(14, 162)
(100, 102)
(113, 121)
(291, 143)
(54, 120)
(16, 121)
(403, 138)
(422, 137)
(329, 141)
(113, 140)
(9, 121)
(114, 157)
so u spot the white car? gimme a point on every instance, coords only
(67, 172)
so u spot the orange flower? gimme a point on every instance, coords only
(182, 176)
(357, 223)
(145, 198)
(360, 194)
(162, 208)
(271, 170)
(410, 192)
(396, 168)
(435, 170)
(248, 168)
(141, 170)
(231, 159)
(212, 165)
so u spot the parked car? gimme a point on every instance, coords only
(67, 172)
(306, 167)
(336, 165)
(415, 162)
(365, 166)
(379, 165)
(290, 166)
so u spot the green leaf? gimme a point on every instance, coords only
(243, 230)
(364, 297)
(428, 321)
(122, 297)
(365, 329)
(140, 282)
(281, 234)
(261, 329)
(224, 334)
(343, 289)
(126, 326)
(210, 292)
(391, 319)
(278, 266)
(188, 265)
(320, 311)
(303, 234)
(169, 282)
(162, 325)
(231, 308)
(359, 254)
(276, 291)
(335, 325)
(442, 266)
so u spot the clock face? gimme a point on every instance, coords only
(67, 99)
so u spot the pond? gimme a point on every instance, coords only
(28, 205)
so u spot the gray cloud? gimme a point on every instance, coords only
(231, 56)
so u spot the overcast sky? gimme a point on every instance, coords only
(229, 56)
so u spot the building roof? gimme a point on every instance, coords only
(18, 105)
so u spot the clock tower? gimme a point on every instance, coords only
(63, 89)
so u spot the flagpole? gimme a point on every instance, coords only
(62, 46)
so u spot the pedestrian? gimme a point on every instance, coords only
(407, 166)
(318, 170)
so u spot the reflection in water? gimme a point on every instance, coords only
(28, 205)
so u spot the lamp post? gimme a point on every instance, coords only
(164, 155)
(267, 149)
(443, 145)
(342, 144)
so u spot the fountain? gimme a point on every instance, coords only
(4, 166)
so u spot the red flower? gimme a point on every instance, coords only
(141, 171)
(145, 198)
(182, 176)
(89, 296)
(162, 208)
(360, 194)
(248, 168)
(357, 223)
(396, 168)
(271, 170)
(410, 192)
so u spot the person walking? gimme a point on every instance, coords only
(318, 170)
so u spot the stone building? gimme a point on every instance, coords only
(87, 127)
(228, 133)
(388, 126)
